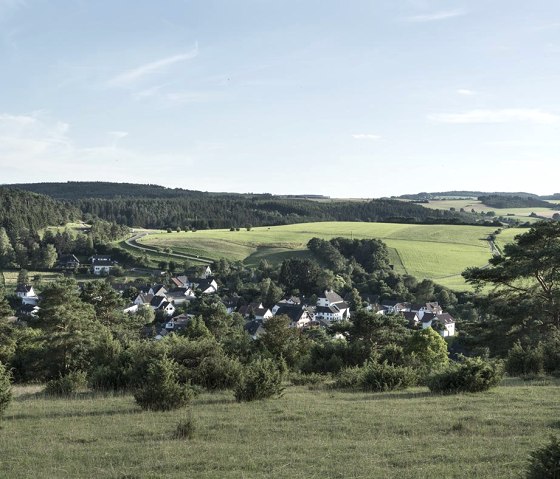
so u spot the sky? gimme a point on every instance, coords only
(354, 98)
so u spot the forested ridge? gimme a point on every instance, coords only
(22, 212)
(153, 206)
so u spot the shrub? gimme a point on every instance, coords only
(260, 380)
(523, 362)
(545, 462)
(376, 377)
(68, 384)
(349, 378)
(5, 388)
(217, 372)
(161, 390)
(108, 378)
(385, 377)
(185, 428)
(469, 375)
(551, 353)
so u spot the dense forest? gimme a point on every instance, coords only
(498, 201)
(157, 207)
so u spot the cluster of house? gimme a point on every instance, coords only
(166, 299)
(100, 264)
(330, 306)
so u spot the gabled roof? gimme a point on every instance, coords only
(252, 327)
(68, 258)
(428, 317)
(24, 288)
(157, 301)
(445, 318)
(332, 297)
(294, 312)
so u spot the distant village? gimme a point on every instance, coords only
(170, 301)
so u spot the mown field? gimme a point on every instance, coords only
(469, 204)
(438, 252)
(305, 434)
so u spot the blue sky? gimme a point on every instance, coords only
(348, 98)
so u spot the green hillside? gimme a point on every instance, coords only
(438, 252)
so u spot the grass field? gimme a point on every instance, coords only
(438, 252)
(304, 434)
(519, 213)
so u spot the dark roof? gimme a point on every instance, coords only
(428, 317)
(203, 284)
(157, 301)
(253, 326)
(23, 288)
(68, 258)
(248, 309)
(410, 315)
(294, 311)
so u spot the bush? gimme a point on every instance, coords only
(375, 377)
(260, 380)
(385, 377)
(185, 428)
(470, 375)
(524, 362)
(217, 372)
(161, 390)
(349, 378)
(5, 388)
(108, 378)
(66, 385)
(545, 462)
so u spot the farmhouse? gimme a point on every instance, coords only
(299, 315)
(101, 264)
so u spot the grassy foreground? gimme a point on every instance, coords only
(438, 252)
(304, 434)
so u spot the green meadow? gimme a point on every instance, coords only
(307, 433)
(471, 204)
(438, 252)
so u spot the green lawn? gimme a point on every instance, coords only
(438, 252)
(305, 434)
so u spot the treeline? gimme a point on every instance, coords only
(156, 207)
(22, 212)
(462, 194)
(498, 201)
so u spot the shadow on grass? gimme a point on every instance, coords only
(379, 396)
(59, 415)
(83, 395)
(210, 401)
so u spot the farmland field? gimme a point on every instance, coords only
(438, 252)
(304, 434)
(521, 214)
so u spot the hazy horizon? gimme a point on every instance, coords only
(358, 99)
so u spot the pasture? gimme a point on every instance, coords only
(307, 433)
(521, 214)
(438, 252)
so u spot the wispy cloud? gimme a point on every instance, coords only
(466, 92)
(366, 136)
(435, 16)
(131, 76)
(508, 115)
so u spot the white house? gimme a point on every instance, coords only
(299, 315)
(101, 264)
(443, 323)
(27, 294)
(331, 307)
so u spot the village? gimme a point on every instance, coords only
(170, 299)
